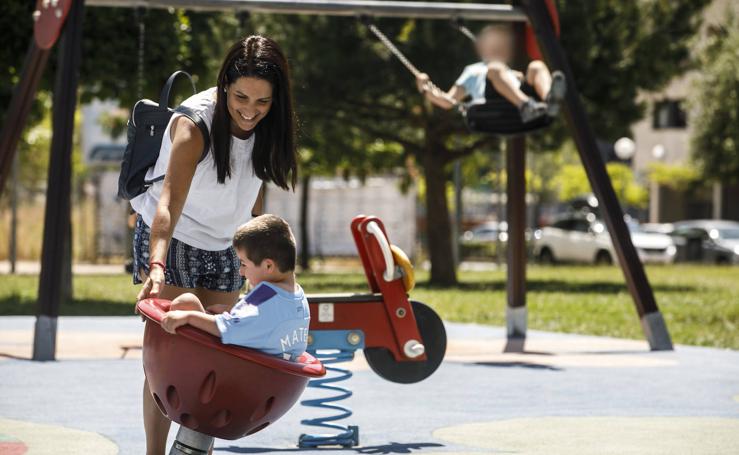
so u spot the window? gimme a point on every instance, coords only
(668, 114)
(565, 225)
(581, 226)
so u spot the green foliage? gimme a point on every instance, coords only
(617, 48)
(677, 177)
(715, 141)
(173, 39)
(16, 25)
(573, 182)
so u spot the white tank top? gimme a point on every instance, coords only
(212, 211)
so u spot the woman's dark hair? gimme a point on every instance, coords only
(274, 156)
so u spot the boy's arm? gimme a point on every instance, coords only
(203, 321)
(445, 100)
(221, 307)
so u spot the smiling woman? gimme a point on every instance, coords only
(185, 223)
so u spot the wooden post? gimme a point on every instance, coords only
(13, 247)
(653, 324)
(515, 158)
(57, 214)
(516, 314)
(20, 106)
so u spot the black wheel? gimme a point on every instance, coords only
(433, 337)
(546, 256)
(603, 258)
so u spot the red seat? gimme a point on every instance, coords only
(220, 390)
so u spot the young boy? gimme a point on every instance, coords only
(495, 48)
(274, 316)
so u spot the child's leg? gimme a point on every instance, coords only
(187, 301)
(506, 83)
(538, 76)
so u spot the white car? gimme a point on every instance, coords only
(585, 239)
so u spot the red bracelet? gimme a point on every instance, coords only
(159, 263)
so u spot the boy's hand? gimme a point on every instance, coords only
(174, 319)
(423, 82)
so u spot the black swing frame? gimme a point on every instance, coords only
(56, 241)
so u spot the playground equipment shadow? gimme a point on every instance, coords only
(477, 395)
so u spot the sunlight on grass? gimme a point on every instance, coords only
(699, 303)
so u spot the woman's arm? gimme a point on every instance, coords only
(187, 148)
(445, 100)
(258, 208)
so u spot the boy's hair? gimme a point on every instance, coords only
(495, 27)
(267, 237)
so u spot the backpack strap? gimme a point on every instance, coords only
(198, 120)
(187, 112)
(164, 96)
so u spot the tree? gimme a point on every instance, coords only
(352, 93)
(573, 182)
(715, 141)
(617, 49)
(361, 112)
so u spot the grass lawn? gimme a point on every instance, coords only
(699, 303)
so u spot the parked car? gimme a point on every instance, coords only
(489, 239)
(484, 241)
(490, 231)
(586, 239)
(712, 241)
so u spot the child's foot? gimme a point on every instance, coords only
(556, 93)
(532, 110)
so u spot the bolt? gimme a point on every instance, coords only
(353, 338)
(400, 312)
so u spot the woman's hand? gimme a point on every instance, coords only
(153, 284)
(174, 319)
(423, 81)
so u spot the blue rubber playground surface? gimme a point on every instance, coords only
(568, 394)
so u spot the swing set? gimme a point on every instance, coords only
(495, 115)
(404, 341)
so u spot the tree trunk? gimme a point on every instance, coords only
(304, 222)
(438, 224)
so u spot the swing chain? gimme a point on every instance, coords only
(457, 23)
(367, 21)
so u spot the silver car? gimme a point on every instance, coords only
(712, 241)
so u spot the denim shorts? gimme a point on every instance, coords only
(187, 266)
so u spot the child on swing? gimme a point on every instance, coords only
(536, 94)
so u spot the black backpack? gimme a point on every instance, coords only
(146, 127)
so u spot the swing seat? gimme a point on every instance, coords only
(224, 391)
(499, 117)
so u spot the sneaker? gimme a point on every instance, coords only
(532, 110)
(556, 93)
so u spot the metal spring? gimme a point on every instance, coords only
(348, 435)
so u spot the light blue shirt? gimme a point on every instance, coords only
(269, 319)
(473, 80)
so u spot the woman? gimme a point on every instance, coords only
(185, 224)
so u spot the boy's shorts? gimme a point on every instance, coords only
(187, 266)
(492, 94)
